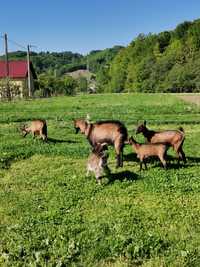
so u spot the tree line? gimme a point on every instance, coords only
(52, 69)
(164, 62)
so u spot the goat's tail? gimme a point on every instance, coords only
(44, 130)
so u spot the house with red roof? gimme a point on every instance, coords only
(18, 77)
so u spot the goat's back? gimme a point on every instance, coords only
(152, 149)
(37, 125)
(170, 136)
(109, 131)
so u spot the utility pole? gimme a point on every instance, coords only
(29, 72)
(8, 93)
(88, 69)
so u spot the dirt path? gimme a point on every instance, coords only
(194, 98)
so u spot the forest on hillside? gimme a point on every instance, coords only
(52, 69)
(164, 62)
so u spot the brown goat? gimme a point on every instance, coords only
(112, 132)
(37, 127)
(97, 161)
(144, 151)
(174, 138)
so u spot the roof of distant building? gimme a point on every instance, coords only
(17, 69)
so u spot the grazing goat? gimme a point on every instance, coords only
(97, 161)
(112, 132)
(144, 151)
(174, 138)
(37, 127)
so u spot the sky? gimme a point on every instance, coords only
(84, 25)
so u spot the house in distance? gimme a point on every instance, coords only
(17, 78)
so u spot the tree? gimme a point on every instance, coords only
(51, 85)
(82, 85)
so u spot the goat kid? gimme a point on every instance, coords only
(174, 138)
(97, 161)
(144, 151)
(112, 132)
(36, 127)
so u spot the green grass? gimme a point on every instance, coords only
(51, 214)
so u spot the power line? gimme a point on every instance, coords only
(14, 42)
(17, 44)
(22, 46)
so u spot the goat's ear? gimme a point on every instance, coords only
(145, 122)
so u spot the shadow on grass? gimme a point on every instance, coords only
(55, 141)
(6, 163)
(193, 159)
(122, 176)
(131, 157)
(172, 162)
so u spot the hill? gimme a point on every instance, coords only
(164, 62)
(63, 62)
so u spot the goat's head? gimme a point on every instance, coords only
(80, 125)
(141, 128)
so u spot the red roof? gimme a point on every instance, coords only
(17, 69)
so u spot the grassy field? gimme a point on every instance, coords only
(51, 214)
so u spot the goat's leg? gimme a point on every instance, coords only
(43, 136)
(117, 161)
(161, 157)
(119, 152)
(25, 134)
(121, 159)
(141, 164)
(107, 169)
(178, 156)
(182, 154)
(145, 164)
(122, 155)
(98, 176)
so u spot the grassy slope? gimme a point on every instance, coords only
(51, 214)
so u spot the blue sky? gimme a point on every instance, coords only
(85, 25)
